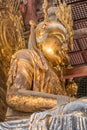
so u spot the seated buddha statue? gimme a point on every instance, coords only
(33, 84)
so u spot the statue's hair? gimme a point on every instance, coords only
(51, 13)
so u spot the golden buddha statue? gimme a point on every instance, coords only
(32, 72)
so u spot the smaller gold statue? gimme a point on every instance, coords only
(11, 28)
(34, 68)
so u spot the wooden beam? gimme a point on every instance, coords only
(80, 33)
(79, 52)
(74, 72)
(80, 21)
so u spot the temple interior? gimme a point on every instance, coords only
(56, 63)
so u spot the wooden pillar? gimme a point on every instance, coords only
(31, 11)
(3, 106)
(78, 71)
(80, 33)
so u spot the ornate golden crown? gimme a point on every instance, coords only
(63, 24)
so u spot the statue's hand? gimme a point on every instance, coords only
(32, 23)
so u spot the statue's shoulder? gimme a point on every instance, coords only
(24, 53)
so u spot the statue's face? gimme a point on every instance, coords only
(52, 41)
(53, 50)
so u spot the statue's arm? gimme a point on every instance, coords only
(21, 77)
(31, 101)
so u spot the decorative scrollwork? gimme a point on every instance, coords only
(64, 15)
(11, 28)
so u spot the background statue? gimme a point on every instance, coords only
(11, 28)
(34, 68)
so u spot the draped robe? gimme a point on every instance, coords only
(29, 71)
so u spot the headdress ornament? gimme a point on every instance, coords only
(64, 23)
